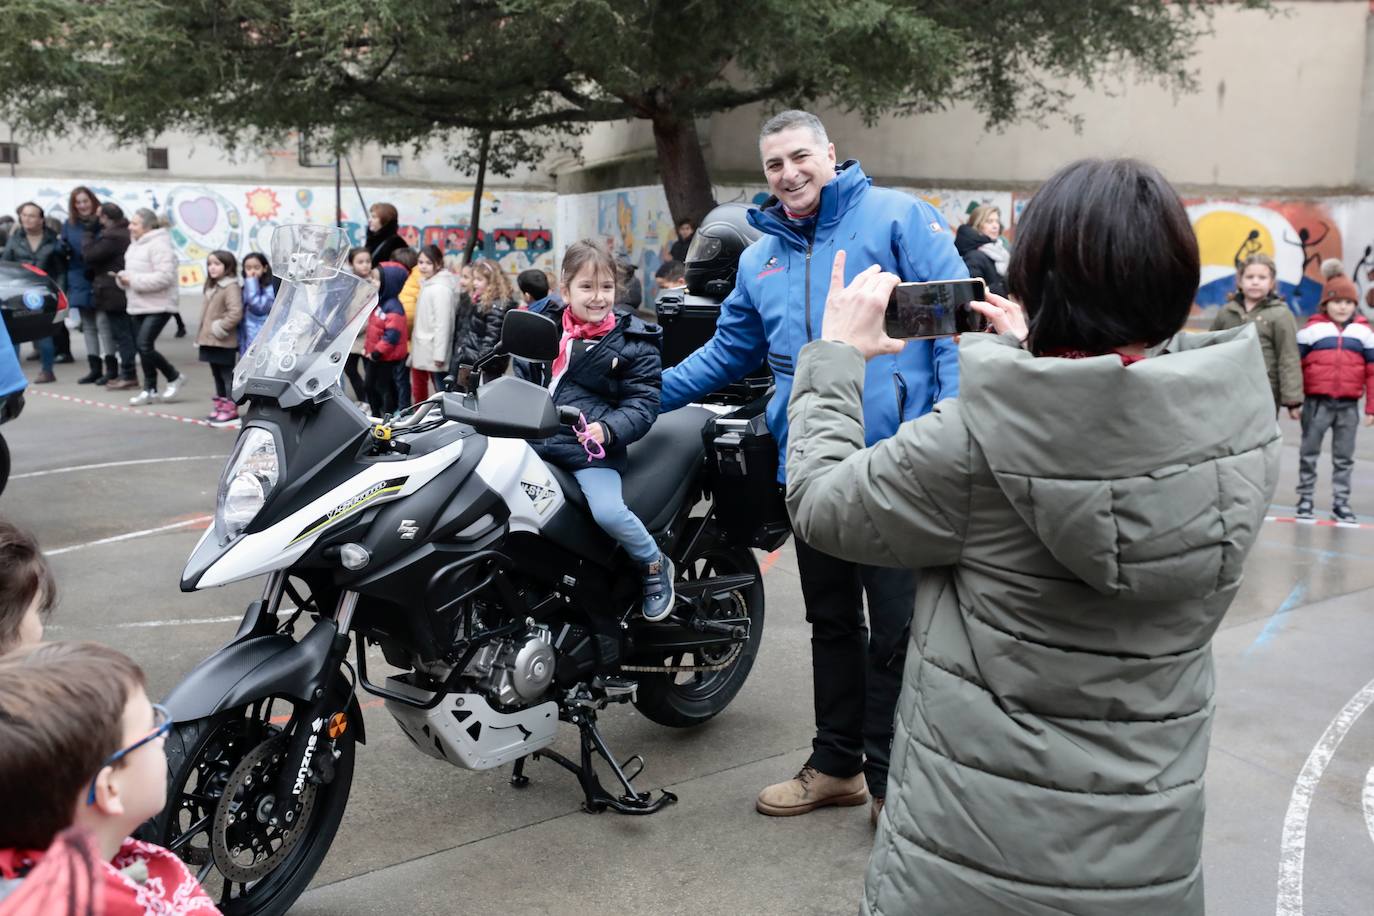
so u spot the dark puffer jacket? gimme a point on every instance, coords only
(48, 258)
(616, 383)
(104, 254)
(968, 241)
(475, 332)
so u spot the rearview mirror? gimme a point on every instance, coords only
(530, 336)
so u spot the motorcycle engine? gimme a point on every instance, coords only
(516, 671)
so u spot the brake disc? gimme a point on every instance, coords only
(251, 836)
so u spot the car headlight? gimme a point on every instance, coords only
(248, 480)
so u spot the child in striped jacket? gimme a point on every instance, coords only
(1337, 349)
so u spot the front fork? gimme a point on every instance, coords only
(313, 719)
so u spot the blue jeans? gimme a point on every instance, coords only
(607, 502)
(47, 351)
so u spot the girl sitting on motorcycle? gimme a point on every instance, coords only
(610, 367)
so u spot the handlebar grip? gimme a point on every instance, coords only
(569, 416)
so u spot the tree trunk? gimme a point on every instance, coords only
(682, 166)
(474, 224)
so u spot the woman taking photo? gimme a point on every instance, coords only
(149, 281)
(1082, 513)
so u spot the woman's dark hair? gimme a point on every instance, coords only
(436, 257)
(1105, 256)
(72, 216)
(112, 211)
(386, 213)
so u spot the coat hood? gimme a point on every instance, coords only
(967, 239)
(1320, 318)
(1136, 478)
(394, 278)
(442, 278)
(151, 237)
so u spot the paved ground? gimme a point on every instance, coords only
(1288, 784)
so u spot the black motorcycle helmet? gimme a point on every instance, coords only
(713, 257)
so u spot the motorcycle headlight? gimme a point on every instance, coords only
(248, 480)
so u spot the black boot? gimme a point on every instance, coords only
(111, 370)
(95, 374)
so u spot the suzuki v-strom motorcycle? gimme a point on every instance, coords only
(442, 538)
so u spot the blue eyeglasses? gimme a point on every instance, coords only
(162, 724)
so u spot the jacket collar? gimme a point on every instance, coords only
(837, 198)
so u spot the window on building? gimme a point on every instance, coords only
(157, 157)
(391, 165)
(9, 153)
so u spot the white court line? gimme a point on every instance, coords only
(1293, 845)
(1368, 799)
(116, 464)
(198, 520)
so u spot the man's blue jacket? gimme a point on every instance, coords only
(12, 378)
(779, 299)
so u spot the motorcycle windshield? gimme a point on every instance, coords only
(318, 312)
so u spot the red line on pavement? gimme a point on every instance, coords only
(194, 421)
(768, 561)
(1319, 522)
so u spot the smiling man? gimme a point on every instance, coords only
(816, 210)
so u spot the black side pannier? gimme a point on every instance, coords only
(742, 473)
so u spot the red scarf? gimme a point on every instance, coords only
(1067, 353)
(574, 329)
(142, 879)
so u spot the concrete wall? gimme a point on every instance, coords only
(195, 157)
(1283, 103)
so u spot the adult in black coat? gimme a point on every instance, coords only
(103, 253)
(978, 243)
(615, 383)
(383, 232)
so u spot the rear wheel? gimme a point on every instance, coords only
(686, 698)
(250, 854)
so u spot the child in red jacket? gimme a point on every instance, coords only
(1337, 349)
(387, 342)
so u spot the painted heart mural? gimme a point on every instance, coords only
(202, 221)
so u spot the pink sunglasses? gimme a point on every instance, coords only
(593, 448)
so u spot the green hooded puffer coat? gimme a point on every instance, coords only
(1081, 526)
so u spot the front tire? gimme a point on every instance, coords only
(683, 700)
(207, 758)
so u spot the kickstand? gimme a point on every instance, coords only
(596, 798)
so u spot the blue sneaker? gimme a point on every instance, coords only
(658, 588)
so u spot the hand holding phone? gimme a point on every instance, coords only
(939, 308)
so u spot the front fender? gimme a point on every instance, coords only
(253, 668)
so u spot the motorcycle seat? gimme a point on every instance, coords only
(661, 468)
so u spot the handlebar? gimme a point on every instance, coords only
(569, 416)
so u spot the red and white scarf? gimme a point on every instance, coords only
(573, 329)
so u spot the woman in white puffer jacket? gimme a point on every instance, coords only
(149, 279)
(434, 313)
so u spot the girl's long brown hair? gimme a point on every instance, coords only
(498, 284)
(71, 202)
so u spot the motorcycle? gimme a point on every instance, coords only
(440, 537)
(31, 305)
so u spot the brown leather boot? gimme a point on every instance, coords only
(811, 789)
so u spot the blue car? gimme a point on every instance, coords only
(31, 304)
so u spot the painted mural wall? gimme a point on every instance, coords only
(529, 229)
(517, 228)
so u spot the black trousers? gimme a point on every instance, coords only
(379, 377)
(146, 330)
(856, 666)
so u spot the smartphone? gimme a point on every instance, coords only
(939, 308)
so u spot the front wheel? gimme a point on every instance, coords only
(681, 699)
(251, 855)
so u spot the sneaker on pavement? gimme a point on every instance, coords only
(170, 392)
(658, 588)
(143, 397)
(811, 789)
(1341, 513)
(1304, 508)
